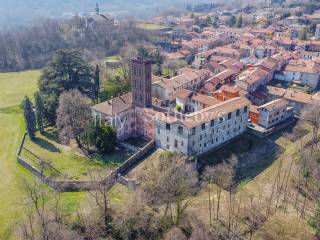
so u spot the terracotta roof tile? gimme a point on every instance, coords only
(115, 105)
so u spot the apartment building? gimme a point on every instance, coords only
(205, 130)
(190, 101)
(165, 89)
(306, 72)
(271, 113)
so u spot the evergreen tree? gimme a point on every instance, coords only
(66, 71)
(30, 118)
(239, 21)
(143, 53)
(106, 138)
(96, 84)
(39, 111)
(232, 21)
(303, 34)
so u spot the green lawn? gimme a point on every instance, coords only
(13, 87)
(66, 162)
(151, 26)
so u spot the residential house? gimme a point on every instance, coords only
(271, 113)
(188, 78)
(252, 80)
(297, 99)
(190, 101)
(214, 82)
(305, 72)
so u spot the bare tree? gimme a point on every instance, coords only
(138, 221)
(223, 175)
(44, 215)
(175, 234)
(209, 178)
(253, 216)
(73, 115)
(311, 115)
(171, 181)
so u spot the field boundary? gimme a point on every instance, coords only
(78, 185)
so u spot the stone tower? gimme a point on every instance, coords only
(141, 82)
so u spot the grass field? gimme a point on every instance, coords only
(67, 162)
(13, 87)
(151, 26)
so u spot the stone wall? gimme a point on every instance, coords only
(71, 185)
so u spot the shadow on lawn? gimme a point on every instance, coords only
(46, 145)
(51, 134)
(254, 156)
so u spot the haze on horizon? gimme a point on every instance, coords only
(22, 12)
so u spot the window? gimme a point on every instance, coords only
(238, 112)
(245, 109)
(158, 129)
(168, 147)
(193, 131)
(175, 143)
(181, 144)
(203, 126)
(229, 115)
(205, 144)
(212, 123)
(221, 119)
(180, 130)
(168, 127)
(200, 137)
(168, 139)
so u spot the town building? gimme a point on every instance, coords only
(131, 114)
(202, 131)
(305, 72)
(189, 101)
(271, 113)
(165, 89)
(297, 99)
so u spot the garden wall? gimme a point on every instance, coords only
(76, 185)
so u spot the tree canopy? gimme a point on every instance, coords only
(73, 116)
(67, 70)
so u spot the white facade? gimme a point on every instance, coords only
(203, 136)
(308, 79)
(270, 117)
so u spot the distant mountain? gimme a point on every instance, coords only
(17, 12)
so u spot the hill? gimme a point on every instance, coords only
(30, 10)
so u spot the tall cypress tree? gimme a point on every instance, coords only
(96, 84)
(39, 111)
(30, 118)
